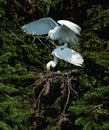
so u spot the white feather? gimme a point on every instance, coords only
(39, 27)
(66, 32)
(68, 55)
(74, 27)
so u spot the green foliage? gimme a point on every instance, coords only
(21, 55)
(92, 110)
(96, 34)
(11, 108)
(14, 77)
(99, 18)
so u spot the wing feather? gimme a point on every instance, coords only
(72, 26)
(40, 27)
(68, 55)
(66, 35)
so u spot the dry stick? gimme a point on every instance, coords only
(15, 35)
(68, 96)
(34, 38)
(38, 98)
(62, 116)
(73, 89)
(75, 92)
(41, 41)
(67, 101)
(69, 86)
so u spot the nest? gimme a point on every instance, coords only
(53, 93)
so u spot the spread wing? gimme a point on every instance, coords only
(66, 35)
(40, 27)
(72, 26)
(69, 33)
(68, 55)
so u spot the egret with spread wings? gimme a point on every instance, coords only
(65, 32)
(66, 54)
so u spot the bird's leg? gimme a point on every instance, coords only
(65, 45)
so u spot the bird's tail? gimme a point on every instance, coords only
(78, 60)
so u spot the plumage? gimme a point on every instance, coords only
(39, 27)
(66, 54)
(63, 31)
(72, 26)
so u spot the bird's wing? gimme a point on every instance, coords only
(68, 55)
(72, 26)
(40, 27)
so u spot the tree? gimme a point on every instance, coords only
(22, 66)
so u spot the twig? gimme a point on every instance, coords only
(75, 92)
(15, 35)
(38, 98)
(67, 101)
(41, 42)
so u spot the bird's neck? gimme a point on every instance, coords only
(54, 34)
(55, 61)
(52, 63)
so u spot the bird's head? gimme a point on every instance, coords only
(52, 35)
(50, 64)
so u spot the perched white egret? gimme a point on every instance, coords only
(66, 54)
(63, 31)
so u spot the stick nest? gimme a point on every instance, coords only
(53, 94)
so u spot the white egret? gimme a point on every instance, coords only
(66, 54)
(63, 31)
